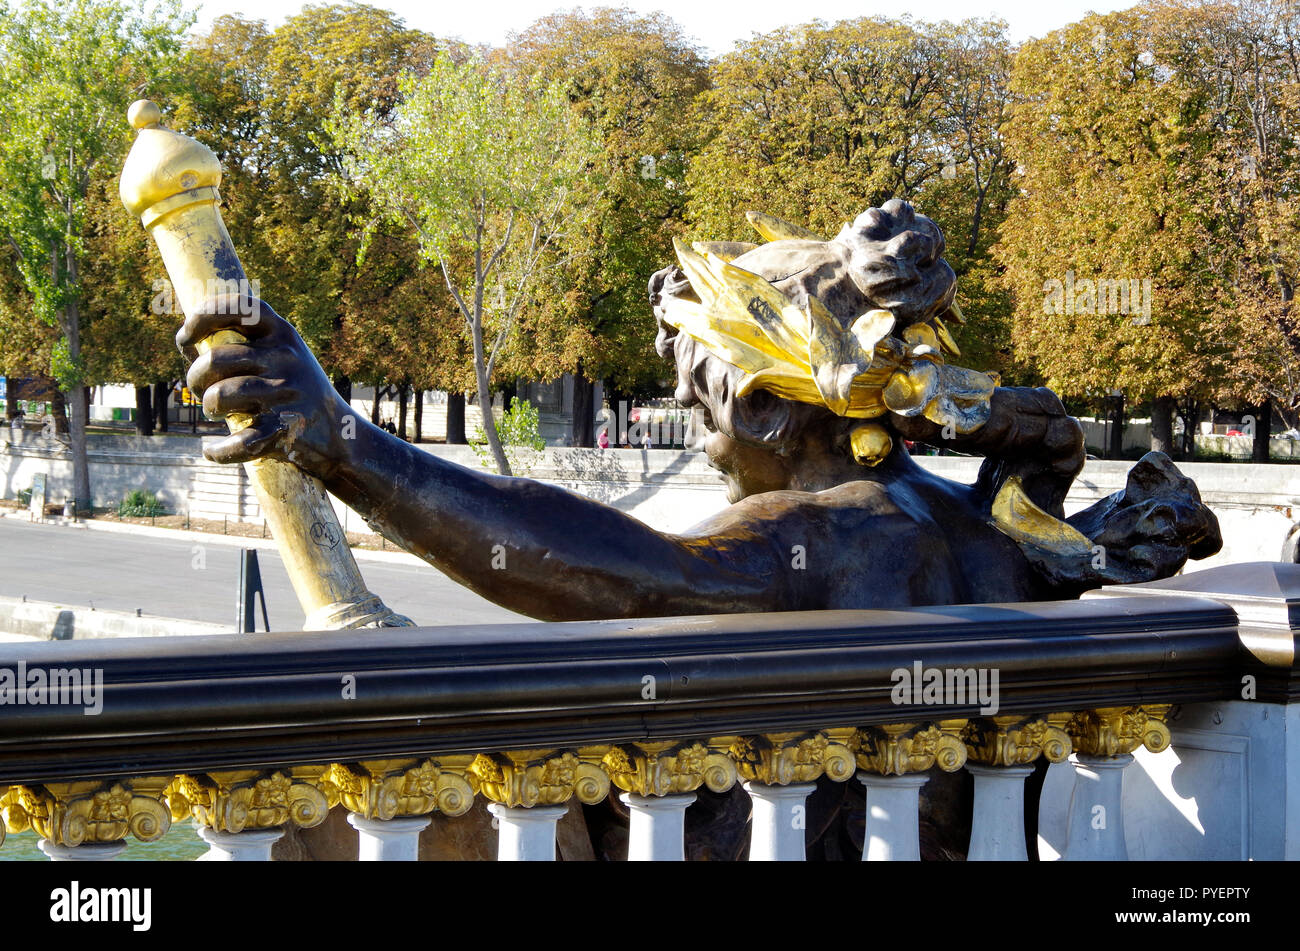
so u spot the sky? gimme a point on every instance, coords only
(717, 24)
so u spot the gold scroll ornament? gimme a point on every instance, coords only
(169, 181)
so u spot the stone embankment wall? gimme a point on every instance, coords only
(668, 489)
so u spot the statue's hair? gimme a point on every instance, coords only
(893, 242)
(896, 257)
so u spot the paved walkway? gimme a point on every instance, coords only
(165, 576)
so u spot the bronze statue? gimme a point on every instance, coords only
(875, 530)
(813, 362)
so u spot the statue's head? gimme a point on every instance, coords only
(775, 412)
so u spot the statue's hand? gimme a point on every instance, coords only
(271, 379)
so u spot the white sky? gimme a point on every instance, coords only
(715, 23)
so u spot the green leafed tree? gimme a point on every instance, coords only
(481, 166)
(67, 74)
(632, 79)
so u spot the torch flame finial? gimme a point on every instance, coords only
(163, 165)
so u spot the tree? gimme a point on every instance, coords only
(632, 79)
(67, 75)
(481, 167)
(1108, 258)
(1241, 63)
(260, 100)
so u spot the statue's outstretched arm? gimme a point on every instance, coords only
(531, 547)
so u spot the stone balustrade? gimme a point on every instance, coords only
(249, 736)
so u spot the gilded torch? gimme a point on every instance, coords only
(170, 182)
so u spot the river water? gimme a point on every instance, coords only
(180, 844)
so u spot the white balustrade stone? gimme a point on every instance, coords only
(893, 831)
(998, 818)
(86, 852)
(1096, 829)
(779, 821)
(526, 835)
(251, 845)
(388, 840)
(658, 827)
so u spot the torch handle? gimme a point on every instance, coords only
(199, 256)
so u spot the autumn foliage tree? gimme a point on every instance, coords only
(1107, 257)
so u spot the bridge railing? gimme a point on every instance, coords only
(251, 734)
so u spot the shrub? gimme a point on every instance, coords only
(521, 437)
(140, 503)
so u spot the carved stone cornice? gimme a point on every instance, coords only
(666, 768)
(385, 789)
(70, 814)
(778, 759)
(246, 799)
(538, 777)
(1016, 740)
(900, 748)
(1114, 731)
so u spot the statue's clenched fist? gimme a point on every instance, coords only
(272, 379)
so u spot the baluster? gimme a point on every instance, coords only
(388, 840)
(251, 845)
(893, 830)
(240, 813)
(86, 852)
(1001, 751)
(1104, 739)
(998, 819)
(526, 834)
(658, 827)
(1096, 809)
(893, 760)
(778, 829)
(86, 821)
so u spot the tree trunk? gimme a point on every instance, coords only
(508, 393)
(11, 404)
(1190, 415)
(456, 419)
(401, 412)
(343, 383)
(144, 410)
(1162, 425)
(418, 399)
(374, 406)
(80, 461)
(583, 428)
(621, 407)
(59, 410)
(1116, 449)
(485, 400)
(161, 392)
(1263, 431)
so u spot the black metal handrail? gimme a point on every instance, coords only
(207, 703)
